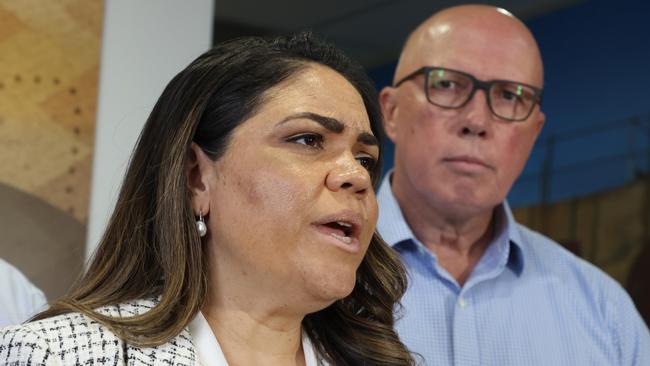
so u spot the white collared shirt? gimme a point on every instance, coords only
(209, 351)
(19, 298)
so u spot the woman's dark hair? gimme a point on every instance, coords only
(151, 247)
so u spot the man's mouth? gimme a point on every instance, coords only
(468, 162)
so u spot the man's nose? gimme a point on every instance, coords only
(476, 116)
(347, 173)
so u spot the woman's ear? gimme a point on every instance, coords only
(200, 172)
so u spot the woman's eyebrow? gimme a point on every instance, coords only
(332, 124)
(329, 123)
(367, 139)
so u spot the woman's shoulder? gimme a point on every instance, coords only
(79, 323)
(71, 338)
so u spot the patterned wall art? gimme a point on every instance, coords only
(49, 67)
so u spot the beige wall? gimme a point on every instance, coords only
(49, 63)
(49, 66)
(604, 228)
(50, 142)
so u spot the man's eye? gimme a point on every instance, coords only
(443, 84)
(367, 162)
(309, 139)
(513, 93)
(510, 96)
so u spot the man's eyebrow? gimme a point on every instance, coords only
(333, 125)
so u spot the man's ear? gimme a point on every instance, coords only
(200, 172)
(539, 122)
(388, 103)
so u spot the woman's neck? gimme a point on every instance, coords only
(255, 336)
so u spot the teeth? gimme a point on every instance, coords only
(344, 224)
(345, 239)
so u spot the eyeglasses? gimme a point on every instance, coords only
(447, 88)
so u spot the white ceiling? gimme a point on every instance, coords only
(372, 31)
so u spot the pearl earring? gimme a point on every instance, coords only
(200, 225)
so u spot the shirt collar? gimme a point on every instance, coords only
(394, 230)
(391, 224)
(207, 347)
(507, 236)
(209, 351)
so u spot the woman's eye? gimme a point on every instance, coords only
(367, 162)
(308, 139)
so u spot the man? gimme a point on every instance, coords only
(19, 299)
(484, 290)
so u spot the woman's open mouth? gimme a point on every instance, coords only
(344, 228)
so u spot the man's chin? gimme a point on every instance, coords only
(465, 208)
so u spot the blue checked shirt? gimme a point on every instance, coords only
(527, 302)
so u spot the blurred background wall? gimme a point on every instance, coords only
(49, 67)
(145, 43)
(52, 92)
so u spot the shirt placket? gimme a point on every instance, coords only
(464, 335)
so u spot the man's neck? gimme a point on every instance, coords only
(457, 239)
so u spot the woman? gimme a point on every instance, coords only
(246, 216)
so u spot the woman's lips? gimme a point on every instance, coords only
(342, 229)
(338, 238)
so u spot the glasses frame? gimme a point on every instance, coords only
(484, 85)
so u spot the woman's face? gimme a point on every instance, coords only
(291, 204)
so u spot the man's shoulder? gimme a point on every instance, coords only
(540, 245)
(546, 257)
(548, 254)
(592, 293)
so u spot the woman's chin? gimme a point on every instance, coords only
(330, 290)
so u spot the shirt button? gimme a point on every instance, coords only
(462, 303)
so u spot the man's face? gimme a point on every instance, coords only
(461, 161)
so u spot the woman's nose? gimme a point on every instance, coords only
(348, 174)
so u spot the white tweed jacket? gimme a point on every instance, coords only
(75, 339)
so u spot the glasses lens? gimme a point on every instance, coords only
(447, 88)
(511, 100)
